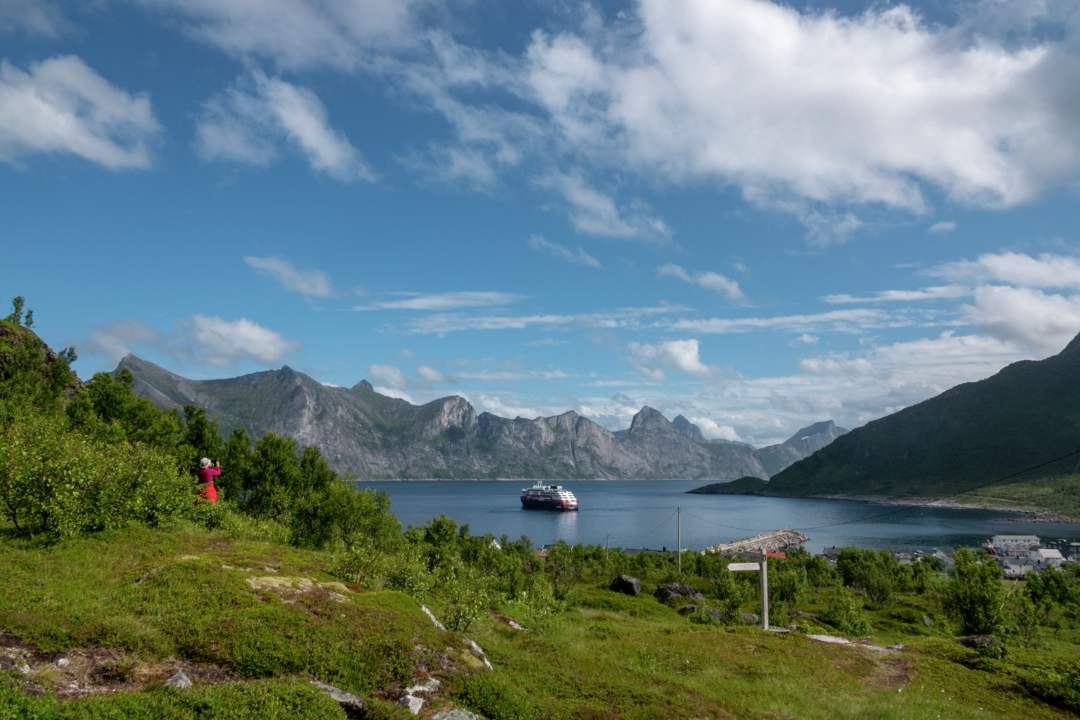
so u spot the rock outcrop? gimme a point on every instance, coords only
(626, 585)
(667, 593)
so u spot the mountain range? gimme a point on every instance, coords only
(370, 435)
(1024, 416)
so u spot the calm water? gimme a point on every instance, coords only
(642, 514)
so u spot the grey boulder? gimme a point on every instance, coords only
(626, 584)
(667, 593)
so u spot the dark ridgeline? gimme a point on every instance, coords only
(975, 433)
(374, 436)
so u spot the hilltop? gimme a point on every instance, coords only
(975, 433)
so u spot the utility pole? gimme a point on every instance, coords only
(678, 536)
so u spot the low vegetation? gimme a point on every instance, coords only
(1059, 493)
(111, 564)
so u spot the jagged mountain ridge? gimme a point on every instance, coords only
(1025, 415)
(373, 436)
(775, 458)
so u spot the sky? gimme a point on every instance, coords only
(756, 215)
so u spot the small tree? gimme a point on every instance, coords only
(16, 315)
(976, 595)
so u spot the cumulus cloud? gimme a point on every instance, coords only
(804, 339)
(222, 343)
(1045, 271)
(248, 122)
(1030, 318)
(389, 376)
(199, 340)
(708, 280)
(712, 431)
(537, 242)
(507, 407)
(307, 282)
(62, 106)
(435, 376)
(942, 227)
(930, 293)
(765, 97)
(680, 355)
(444, 301)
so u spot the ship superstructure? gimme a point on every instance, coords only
(548, 497)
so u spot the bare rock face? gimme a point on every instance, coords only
(373, 436)
(626, 585)
(667, 593)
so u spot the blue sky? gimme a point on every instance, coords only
(756, 215)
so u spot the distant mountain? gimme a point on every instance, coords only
(774, 458)
(1023, 416)
(373, 436)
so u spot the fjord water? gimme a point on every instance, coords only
(641, 513)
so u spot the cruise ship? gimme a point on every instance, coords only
(548, 497)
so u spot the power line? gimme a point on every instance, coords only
(639, 537)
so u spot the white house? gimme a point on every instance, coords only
(1046, 557)
(1016, 546)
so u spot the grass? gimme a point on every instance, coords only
(1059, 492)
(186, 595)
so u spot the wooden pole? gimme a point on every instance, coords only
(678, 536)
(765, 592)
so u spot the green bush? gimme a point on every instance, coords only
(61, 483)
(486, 694)
(976, 596)
(845, 614)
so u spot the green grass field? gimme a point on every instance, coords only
(154, 598)
(1060, 493)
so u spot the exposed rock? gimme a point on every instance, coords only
(801, 614)
(63, 663)
(339, 696)
(430, 686)
(432, 616)
(412, 704)
(717, 615)
(455, 714)
(750, 618)
(802, 444)
(667, 593)
(626, 584)
(774, 540)
(478, 651)
(927, 621)
(179, 680)
(371, 435)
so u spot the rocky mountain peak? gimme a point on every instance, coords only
(688, 429)
(650, 420)
(364, 386)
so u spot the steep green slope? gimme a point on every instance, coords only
(975, 433)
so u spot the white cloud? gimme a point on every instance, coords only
(594, 213)
(942, 227)
(394, 393)
(445, 301)
(306, 282)
(835, 320)
(537, 242)
(223, 343)
(434, 376)
(708, 280)
(34, 17)
(544, 341)
(930, 293)
(622, 318)
(389, 375)
(406, 353)
(712, 431)
(1045, 271)
(682, 355)
(838, 365)
(804, 339)
(200, 341)
(513, 375)
(298, 33)
(62, 106)
(246, 123)
(116, 340)
(1030, 318)
(506, 407)
(812, 110)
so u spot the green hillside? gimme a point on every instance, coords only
(973, 434)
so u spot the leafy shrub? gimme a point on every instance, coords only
(976, 596)
(488, 695)
(62, 483)
(845, 614)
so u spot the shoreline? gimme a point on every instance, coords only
(1028, 514)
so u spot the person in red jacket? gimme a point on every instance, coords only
(206, 479)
